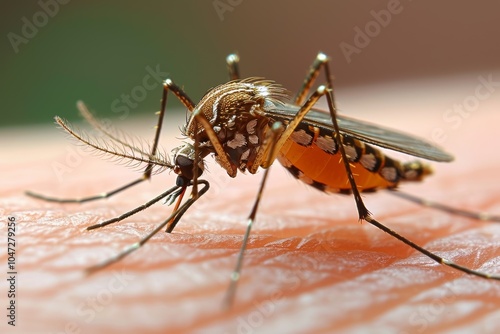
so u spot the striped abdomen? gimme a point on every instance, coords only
(310, 154)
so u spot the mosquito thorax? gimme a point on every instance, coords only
(236, 112)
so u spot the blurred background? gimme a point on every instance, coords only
(114, 54)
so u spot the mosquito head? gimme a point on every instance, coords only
(184, 157)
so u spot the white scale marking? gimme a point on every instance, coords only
(368, 161)
(327, 144)
(301, 137)
(238, 141)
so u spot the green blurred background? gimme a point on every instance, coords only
(97, 51)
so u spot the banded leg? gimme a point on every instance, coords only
(168, 85)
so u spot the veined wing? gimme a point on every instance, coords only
(366, 132)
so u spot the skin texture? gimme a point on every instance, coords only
(310, 266)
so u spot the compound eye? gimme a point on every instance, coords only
(184, 167)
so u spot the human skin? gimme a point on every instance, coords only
(309, 267)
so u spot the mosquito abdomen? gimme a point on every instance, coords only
(312, 156)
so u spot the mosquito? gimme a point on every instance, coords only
(249, 123)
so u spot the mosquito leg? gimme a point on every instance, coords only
(223, 161)
(175, 217)
(432, 255)
(362, 210)
(235, 276)
(484, 216)
(292, 125)
(84, 199)
(217, 146)
(320, 61)
(192, 199)
(168, 85)
(232, 66)
(365, 215)
(196, 161)
(134, 211)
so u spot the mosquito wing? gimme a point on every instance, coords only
(367, 132)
